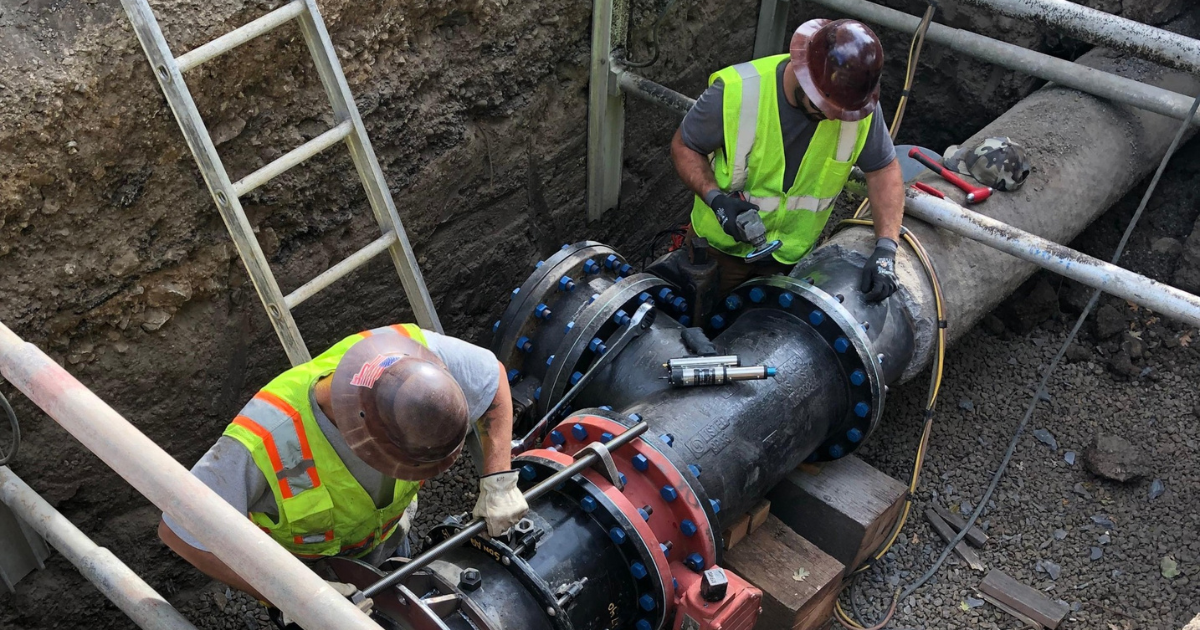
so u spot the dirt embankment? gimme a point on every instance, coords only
(113, 259)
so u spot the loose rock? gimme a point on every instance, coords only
(1109, 321)
(1114, 458)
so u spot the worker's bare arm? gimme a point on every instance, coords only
(495, 428)
(208, 563)
(694, 168)
(885, 189)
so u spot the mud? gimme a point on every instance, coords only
(113, 259)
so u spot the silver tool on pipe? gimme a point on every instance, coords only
(721, 370)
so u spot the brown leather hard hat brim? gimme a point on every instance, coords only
(848, 112)
(365, 435)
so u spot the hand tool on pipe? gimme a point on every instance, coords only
(697, 371)
(926, 188)
(751, 225)
(975, 194)
(585, 460)
(639, 323)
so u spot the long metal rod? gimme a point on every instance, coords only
(239, 36)
(111, 577)
(647, 90)
(1095, 273)
(246, 549)
(292, 158)
(1060, 71)
(340, 270)
(478, 525)
(1105, 29)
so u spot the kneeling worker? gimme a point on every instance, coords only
(328, 457)
(784, 132)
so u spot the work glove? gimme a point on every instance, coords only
(365, 604)
(879, 274)
(500, 502)
(727, 208)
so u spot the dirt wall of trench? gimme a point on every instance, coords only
(114, 260)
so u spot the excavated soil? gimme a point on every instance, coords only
(114, 261)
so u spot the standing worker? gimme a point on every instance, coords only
(328, 457)
(783, 133)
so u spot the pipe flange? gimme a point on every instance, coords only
(574, 265)
(597, 321)
(861, 366)
(612, 511)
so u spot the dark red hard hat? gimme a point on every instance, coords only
(838, 64)
(398, 407)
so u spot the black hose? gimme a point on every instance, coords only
(1012, 445)
(5, 458)
(653, 42)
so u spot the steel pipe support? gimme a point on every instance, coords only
(1104, 29)
(1073, 75)
(278, 575)
(111, 577)
(651, 92)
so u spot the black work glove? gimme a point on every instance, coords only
(727, 208)
(879, 274)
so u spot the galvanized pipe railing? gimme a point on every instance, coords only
(111, 577)
(1073, 75)
(270, 569)
(1104, 29)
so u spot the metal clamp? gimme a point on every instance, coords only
(604, 463)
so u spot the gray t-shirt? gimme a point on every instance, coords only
(229, 470)
(703, 130)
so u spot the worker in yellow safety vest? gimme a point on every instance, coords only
(328, 457)
(779, 136)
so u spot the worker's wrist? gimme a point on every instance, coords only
(887, 244)
(711, 195)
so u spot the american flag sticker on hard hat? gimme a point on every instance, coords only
(372, 370)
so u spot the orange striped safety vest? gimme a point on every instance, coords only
(323, 510)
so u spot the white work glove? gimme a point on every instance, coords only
(500, 502)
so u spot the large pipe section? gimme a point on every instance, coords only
(1073, 75)
(276, 574)
(1104, 29)
(111, 577)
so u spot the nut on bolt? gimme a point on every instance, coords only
(542, 312)
(565, 283)
(470, 579)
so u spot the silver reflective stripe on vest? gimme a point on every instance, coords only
(747, 124)
(287, 443)
(847, 138)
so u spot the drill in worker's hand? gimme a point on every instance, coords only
(741, 220)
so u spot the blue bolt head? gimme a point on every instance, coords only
(665, 294)
(638, 570)
(640, 462)
(537, 394)
(646, 602)
(625, 270)
(642, 624)
(622, 478)
(593, 298)
(816, 318)
(591, 267)
(688, 528)
(618, 535)
(858, 377)
(579, 432)
(565, 245)
(841, 344)
(694, 469)
(496, 326)
(835, 451)
(569, 327)
(549, 360)
(524, 344)
(667, 439)
(589, 504)
(539, 264)
(861, 409)
(528, 472)
(786, 299)
(605, 407)
(575, 377)
(635, 418)
(644, 514)
(715, 504)
(679, 304)
(557, 437)
(606, 437)
(513, 375)
(565, 283)
(516, 291)
(717, 322)
(543, 312)
(612, 261)
(733, 302)
(855, 435)
(757, 295)
(621, 318)
(694, 561)
(669, 493)
(685, 321)
(644, 297)
(597, 345)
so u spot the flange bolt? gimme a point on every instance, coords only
(557, 437)
(579, 432)
(854, 435)
(861, 409)
(858, 377)
(646, 602)
(469, 579)
(688, 528)
(786, 300)
(638, 570)
(591, 267)
(669, 493)
(841, 344)
(717, 322)
(621, 318)
(757, 295)
(565, 283)
(588, 504)
(575, 377)
(816, 318)
(513, 375)
(694, 561)
(528, 473)
(597, 346)
(542, 312)
(524, 344)
(640, 462)
(617, 535)
(612, 262)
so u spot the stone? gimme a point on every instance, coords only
(1078, 354)
(1024, 313)
(1133, 345)
(154, 319)
(124, 263)
(169, 293)
(1109, 321)
(1167, 246)
(1114, 458)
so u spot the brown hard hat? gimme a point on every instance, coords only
(838, 64)
(398, 407)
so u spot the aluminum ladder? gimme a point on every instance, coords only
(169, 70)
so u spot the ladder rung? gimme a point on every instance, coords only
(340, 270)
(292, 158)
(239, 36)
